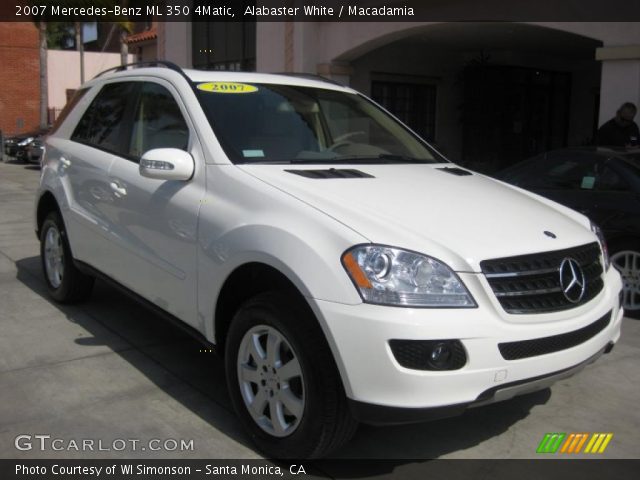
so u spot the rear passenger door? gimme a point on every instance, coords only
(157, 219)
(84, 163)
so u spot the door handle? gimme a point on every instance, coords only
(65, 162)
(118, 190)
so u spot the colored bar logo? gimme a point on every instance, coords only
(574, 443)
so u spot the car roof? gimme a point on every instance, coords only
(201, 76)
(629, 156)
(266, 78)
(601, 151)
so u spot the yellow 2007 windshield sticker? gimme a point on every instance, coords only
(226, 87)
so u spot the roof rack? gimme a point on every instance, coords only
(310, 76)
(154, 63)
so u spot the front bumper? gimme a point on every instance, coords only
(35, 154)
(380, 390)
(383, 415)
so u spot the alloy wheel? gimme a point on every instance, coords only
(271, 380)
(54, 257)
(627, 262)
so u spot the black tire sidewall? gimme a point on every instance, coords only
(302, 442)
(61, 292)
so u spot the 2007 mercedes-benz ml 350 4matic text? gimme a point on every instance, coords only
(347, 271)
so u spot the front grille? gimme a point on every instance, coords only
(541, 346)
(531, 283)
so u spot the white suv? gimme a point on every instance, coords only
(347, 270)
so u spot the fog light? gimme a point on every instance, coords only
(429, 354)
(440, 355)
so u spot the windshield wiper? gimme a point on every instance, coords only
(263, 162)
(404, 158)
(383, 158)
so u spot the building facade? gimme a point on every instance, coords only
(19, 77)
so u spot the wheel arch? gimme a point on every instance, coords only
(47, 203)
(264, 277)
(244, 282)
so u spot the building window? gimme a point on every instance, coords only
(510, 113)
(224, 46)
(413, 103)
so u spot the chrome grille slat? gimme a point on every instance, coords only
(528, 292)
(531, 283)
(521, 274)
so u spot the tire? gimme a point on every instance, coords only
(66, 284)
(311, 411)
(625, 257)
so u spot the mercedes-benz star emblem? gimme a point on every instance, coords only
(572, 280)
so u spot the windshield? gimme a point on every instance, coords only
(262, 123)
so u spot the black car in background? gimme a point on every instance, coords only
(35, 150)
(603, 184)
(18, 146)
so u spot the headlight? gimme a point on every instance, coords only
(25, 142)
(603, 245)
(391, 276)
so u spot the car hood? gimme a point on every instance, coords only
(461, 220)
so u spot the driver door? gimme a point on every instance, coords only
(158, 218)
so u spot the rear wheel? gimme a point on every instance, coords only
(283, 381)
(625, 257)
(65, 282)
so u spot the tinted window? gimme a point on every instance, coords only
(102, 123)
(157, 122)
(610, 180)
(564, 171)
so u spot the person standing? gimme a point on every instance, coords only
(621, 130)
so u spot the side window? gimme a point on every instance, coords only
(157, 122)
(102, 123)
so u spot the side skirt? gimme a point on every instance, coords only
(89, 270)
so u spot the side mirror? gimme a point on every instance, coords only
(167, 164)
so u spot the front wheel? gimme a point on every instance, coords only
(283, 381)
(625, 257)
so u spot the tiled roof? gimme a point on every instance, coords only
(150, 34)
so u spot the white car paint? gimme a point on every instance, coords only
(180, 241)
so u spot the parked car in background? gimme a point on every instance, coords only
(35, 150)
(18, 146)
(602, 183)
(10, 146)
